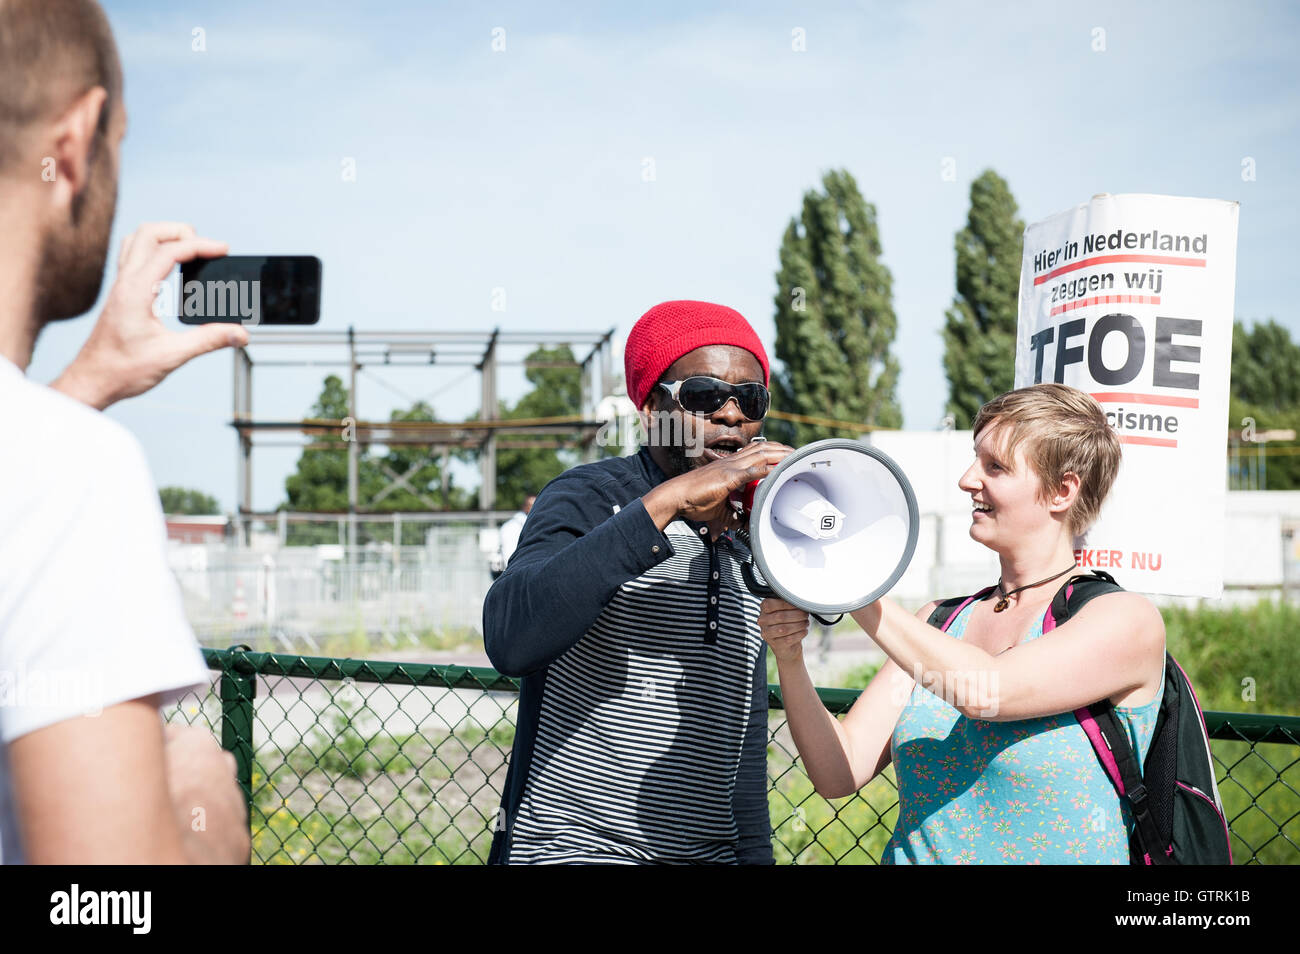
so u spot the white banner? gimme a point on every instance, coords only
(1130, 298)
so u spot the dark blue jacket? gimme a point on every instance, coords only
(587, 535)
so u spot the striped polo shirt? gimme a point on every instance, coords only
(642, 725)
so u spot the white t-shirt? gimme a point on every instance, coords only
(90, 613)
(510, 531)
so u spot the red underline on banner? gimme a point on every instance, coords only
(1124, 397)
(1107, 300)
(1149, 441)
(1108, 259)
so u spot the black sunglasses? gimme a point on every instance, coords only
(703, 395)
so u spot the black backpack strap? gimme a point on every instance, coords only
(1116, 739)
(943, 611)
(1070, 598)
(1081, 589)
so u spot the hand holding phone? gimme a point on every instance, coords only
(129, 350)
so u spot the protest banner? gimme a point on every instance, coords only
(1130, 298)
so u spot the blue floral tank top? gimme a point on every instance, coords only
(1025, 792)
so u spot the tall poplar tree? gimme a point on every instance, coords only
(979, 333)
(835, 319)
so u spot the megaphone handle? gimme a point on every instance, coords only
(755, 587)
(758, 589)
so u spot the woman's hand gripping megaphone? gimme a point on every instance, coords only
(783, 627)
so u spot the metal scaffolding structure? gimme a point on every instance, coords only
(483, 351)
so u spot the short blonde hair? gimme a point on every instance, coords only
(1064, 432)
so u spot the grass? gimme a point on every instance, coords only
(350, 641)
(345, 795)
(808, 829)
(356, 643)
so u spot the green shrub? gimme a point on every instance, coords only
(858, 676)
(1233, 652)
(1244, 659)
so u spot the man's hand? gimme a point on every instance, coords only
(206, 800)
(701, 494)
(129, 350)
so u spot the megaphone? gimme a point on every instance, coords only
(831, 528)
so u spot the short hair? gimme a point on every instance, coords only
(51, 52)
(1064, 432)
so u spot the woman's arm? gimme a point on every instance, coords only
(839, 757)
(1115, 644)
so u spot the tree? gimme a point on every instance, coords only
(405, 479)
(408, 478)
(979, 332)
(834, 317)
(181, 500)
(413, 478)
(320, 483)
(1265, 395)
(557, 392)
(1265, 366)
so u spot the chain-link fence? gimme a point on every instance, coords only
(354, 761)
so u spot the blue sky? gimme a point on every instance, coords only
(522, 169)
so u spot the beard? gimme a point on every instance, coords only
(678, 462)
(73, 253)
(679, 436)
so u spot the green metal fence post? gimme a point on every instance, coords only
(237, 692)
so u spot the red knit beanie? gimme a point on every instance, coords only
(671, 329)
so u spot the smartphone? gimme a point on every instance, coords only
(251, 290)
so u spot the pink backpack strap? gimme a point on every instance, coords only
(1049, 621)
(1090, 727)
(1099, 745)
(1086, 721)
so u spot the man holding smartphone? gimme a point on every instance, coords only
(92, 634)
(642, 726)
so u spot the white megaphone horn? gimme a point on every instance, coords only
(831, 528)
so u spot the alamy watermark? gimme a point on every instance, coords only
(66, 690)
(76, 906)
(653, 429)
(968, 690)
(210, 299)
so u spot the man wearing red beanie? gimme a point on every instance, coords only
(642, 728)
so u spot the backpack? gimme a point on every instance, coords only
(1178, 817)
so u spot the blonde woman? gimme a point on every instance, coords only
(991, 764)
